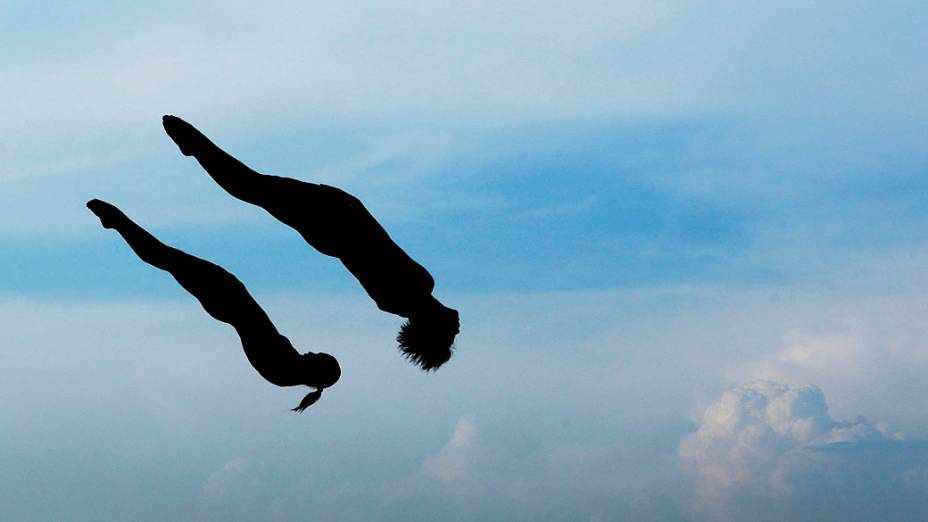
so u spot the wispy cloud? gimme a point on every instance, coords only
(296, 63)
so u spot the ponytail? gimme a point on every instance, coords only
(309, 400)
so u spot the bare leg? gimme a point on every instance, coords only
(222, 295)
(302, 206)
(225, 299)
(232, 175)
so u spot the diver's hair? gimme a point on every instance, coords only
(322, 371)
(425, 345)
(309, 400)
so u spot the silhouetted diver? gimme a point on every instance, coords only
(225, 298)
(337, 224)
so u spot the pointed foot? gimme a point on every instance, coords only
(110, 216)
(188, 139)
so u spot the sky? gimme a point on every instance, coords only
(688, 242)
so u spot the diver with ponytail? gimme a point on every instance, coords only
(225, 298)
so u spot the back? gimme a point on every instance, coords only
(393, 279)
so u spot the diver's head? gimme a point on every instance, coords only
(427, 338)
(320, 371)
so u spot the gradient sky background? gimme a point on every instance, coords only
(688, 242)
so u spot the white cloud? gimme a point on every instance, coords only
(859, 334)
(765, 450)
(453, 462)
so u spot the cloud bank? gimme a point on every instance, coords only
(766, 451)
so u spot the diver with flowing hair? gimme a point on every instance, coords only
(337, 224)
(225, 298)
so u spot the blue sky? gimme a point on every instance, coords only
(686, 239)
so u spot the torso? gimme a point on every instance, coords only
(273, 356)
(393, 279)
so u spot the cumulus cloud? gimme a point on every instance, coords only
(453, 461)
(866, 351)
(768, 451)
